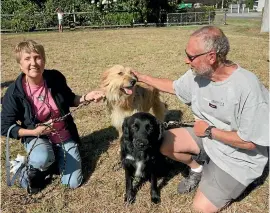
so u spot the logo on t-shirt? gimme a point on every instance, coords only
(212, 105)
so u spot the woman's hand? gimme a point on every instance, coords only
(95, 96)
(45, 129)
(199, 128)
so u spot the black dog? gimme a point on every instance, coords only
(140, 155)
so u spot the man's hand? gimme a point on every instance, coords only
(137, 74)
(199, 127)
(228, 137)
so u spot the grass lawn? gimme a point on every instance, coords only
(82, 56)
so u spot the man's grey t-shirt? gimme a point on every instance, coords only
(240, 103)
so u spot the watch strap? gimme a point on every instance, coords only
(208, 132)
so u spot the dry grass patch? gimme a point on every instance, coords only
(82, 56)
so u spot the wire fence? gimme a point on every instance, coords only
(45, 22)
(196, 18)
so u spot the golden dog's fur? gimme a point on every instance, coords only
(125, 96)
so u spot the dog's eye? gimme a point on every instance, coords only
(149, 128)
(121, 73)
(134, 127)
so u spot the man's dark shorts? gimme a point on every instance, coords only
(217, 186)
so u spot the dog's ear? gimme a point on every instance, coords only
(125, 129)
(161, 130)
(104, 79)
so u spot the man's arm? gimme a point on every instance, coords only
(162, 84)
(231, 138)
(227, 137)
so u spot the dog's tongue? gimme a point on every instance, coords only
(128, 91)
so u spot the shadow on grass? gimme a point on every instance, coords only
(168, 170)
(174, 168)
(92, 146)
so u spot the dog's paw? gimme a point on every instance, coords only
(130, 198)
(155, 198)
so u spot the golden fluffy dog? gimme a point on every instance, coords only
(125, 96)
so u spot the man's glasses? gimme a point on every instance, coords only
(192, 57)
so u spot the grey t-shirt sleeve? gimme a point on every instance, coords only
(254, 120)
(183, 88)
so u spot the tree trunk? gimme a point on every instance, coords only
(265, 18)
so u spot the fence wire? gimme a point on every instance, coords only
(196, 18)
(97, 19)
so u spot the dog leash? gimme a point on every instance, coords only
(177, 124)
(10, 182)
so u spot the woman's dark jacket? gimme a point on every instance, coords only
(16, 108)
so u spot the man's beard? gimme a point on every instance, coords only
(205, 71)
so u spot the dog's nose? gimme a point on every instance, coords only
(133, 82)
(141, 143)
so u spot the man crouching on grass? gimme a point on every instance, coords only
(231, 107)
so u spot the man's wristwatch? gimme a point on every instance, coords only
(208, 132)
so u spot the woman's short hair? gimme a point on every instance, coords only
(29, 46)
(214, 39)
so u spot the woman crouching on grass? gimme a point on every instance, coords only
(38, 96)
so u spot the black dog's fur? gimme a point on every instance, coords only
(140, 155)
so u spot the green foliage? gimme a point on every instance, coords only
(118, 18)
(249, 3)
(23, 19)
(28, 15)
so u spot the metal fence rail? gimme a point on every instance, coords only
(43, 22)
(196, 18)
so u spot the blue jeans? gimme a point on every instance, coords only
(44, 153)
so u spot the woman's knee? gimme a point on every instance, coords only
(73, 180)
(41, 154)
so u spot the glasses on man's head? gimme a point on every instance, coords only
(192, 57)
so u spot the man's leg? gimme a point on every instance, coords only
(71, 159)
(216, 190)
(202, 204)
(180, 145)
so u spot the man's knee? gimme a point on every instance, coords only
(202, 207)
(202, 204)
(164, 150)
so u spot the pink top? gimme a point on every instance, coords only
(46, 109)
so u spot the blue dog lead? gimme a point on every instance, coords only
(10, 182)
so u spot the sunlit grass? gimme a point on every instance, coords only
(82, 56)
